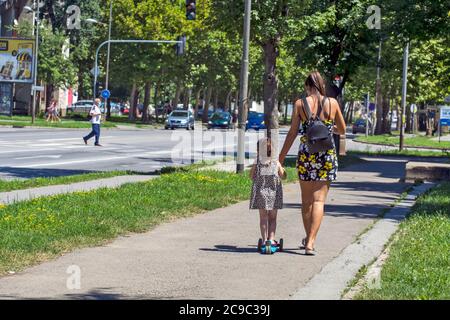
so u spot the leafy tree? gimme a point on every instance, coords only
(272, 21)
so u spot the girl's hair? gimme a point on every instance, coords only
(266, 141)
(315, 81)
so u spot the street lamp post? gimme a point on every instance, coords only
(404, 92)
(240, 163)
(33, 89)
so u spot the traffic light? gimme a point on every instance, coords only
(191, 7)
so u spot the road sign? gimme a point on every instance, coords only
(413, 108)
(372, 107)
(93, 71)
(106, 94)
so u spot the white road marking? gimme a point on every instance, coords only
(43, 156)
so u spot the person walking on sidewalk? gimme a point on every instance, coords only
(267, 191)
(316, 170)
(96, 116)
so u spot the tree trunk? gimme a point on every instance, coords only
(206, 107)
(177, 96)
(216, 98)
(147, 91)
(227, 101)
(386, 107)
(270, 85)
(197, 102)
(236, 99)
(391, 108)
(379, 110)
(408, 127)
(131, 113)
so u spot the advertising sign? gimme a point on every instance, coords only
(16, 60)
(445, 116)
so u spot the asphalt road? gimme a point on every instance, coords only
(31, 152)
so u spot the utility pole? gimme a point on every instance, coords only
(109, 53)
(378, 108)
(33, 109)
(242, 114)
(404, 92)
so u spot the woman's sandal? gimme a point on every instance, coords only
(310, 252)
(303, 245)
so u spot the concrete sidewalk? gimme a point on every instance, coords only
(28, 194)
(213, 255)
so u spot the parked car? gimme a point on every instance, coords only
(255, 121)
(81, 106)
(124, 110)
(180, 119)
(359, 126)
(220, 120)
(200, 113)
(115, 108)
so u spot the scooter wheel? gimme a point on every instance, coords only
(280, 245)
(268, 246)
(260, 243)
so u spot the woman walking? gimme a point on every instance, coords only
(316, 170)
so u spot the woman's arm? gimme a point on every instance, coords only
(293, 132)
(252, 171)
(340, 127)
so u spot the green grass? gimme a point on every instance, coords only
(9, 185)
(25, 121)
(418, 266)
(394, 140)
(34, 231)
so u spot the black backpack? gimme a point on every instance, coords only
(318, 134)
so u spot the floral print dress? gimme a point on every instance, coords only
(267, 190)
(321, 166)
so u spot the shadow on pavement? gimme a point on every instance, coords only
(95, 294)
(27, 173)
(248, 249)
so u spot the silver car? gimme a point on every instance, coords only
(180, 119)
(81, 106)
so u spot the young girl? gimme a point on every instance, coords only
(267, 191)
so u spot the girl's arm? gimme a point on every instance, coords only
(281, 171)
(293, 132)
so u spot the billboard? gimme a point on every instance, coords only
(445, 116)
(16, 60)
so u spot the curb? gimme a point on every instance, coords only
(11, 197)
(443, 150)
(333, 279)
